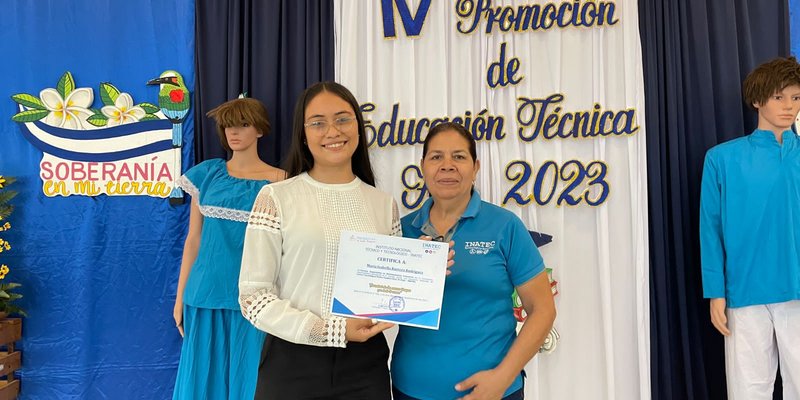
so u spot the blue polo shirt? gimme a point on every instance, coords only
(493, 253)
(750, 220)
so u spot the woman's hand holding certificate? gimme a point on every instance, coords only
(450, 254)
(359, 330)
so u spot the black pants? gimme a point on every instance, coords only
(291, 371)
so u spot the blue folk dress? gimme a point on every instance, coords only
(221, 349)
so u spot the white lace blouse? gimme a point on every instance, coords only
(290, 250)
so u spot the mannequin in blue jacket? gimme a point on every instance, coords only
(750, 238)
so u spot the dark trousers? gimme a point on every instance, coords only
(300, 372)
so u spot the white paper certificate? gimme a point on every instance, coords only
(390, 278)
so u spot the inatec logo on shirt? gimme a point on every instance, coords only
(479, 247)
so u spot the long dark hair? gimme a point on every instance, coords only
(300, 159)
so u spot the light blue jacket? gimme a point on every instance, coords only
(750, 220)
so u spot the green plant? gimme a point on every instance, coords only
(7, 296)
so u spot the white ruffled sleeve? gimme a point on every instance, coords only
(259, 295)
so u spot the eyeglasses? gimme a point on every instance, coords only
(322, 126)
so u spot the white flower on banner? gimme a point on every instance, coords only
(70, 112)
(123, 111)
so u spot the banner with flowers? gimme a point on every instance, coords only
(122, 148)
(95, 151)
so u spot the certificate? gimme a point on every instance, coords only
(390, 278)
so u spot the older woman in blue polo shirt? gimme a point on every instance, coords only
(476, 353)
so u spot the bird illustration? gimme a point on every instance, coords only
(173, 98)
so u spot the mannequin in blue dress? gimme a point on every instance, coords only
(221, 349)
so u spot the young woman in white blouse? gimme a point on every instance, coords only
(289, 258)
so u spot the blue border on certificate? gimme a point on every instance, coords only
(422, 319)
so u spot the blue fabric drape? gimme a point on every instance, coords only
(98, 273)
(271, 50)
(696, 54)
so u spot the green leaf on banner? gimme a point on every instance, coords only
(5, 211)
(30, 115)
(98, 120)
(65, 85)
(28, 101)
(6, 196)
(149, 117)
(108, 93)
(149, 108)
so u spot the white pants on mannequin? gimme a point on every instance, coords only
(761, 336)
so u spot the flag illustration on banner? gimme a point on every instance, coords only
(121, 149)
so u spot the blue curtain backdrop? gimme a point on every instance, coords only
(271, 50)
(696, 54)
(794, 26)
(99, 273)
